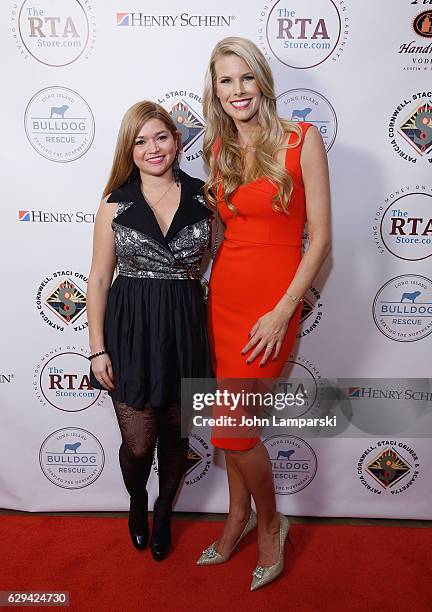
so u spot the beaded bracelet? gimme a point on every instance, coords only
(90, 357)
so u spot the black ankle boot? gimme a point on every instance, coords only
(161, 533)
(138, 523)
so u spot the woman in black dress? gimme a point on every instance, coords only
(148, 329)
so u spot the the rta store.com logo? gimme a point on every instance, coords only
(311, 106)
(62, 380)
(183, 20)
(45, 216)
(410, 128)
(388, 467)
(59, 124)
(61, 300)
(303, 33)
(72, 458)
(185, 108)
(402, 308)
(300, 376)
(52, 32)
(294, 463)
(403, 224)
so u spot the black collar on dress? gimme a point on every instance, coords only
(140, 216)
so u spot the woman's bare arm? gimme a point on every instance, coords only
(269, 331)
(100, 278)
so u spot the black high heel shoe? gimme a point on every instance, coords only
(160, 542)
(138, 523)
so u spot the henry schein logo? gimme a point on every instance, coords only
(6, 378)
(183, 20)
(45, 216)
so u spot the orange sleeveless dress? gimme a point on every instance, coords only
(253, 268)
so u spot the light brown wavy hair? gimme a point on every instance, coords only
(227, 166)
(123, 166)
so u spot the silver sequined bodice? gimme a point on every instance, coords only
(141, 256)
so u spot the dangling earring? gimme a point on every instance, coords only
(176, 170)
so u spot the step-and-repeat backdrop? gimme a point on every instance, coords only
(360, 72)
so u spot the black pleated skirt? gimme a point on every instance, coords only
(156, 334)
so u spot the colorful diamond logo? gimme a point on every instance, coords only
(67, 301)
(417, 128)
(307, 309)
(194, 458)
(388, 468)
(187, 121)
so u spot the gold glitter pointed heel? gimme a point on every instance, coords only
(210, 555)
(264, 575)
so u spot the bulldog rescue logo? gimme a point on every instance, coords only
(403, 223)
(313, 107)
(293, 461)
(388, 467)
(61, 300)
(54, 33)
(402, 308)
(185, 108)
(303, 33)
(71, 458)
(410, 128)
(62, 379)
(59, 124)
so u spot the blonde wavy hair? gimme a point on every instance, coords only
(227, 167)
(123, 166)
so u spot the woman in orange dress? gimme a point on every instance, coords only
(267, 175)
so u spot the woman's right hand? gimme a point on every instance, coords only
(102, 369)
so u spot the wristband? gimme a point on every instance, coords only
(90, 357)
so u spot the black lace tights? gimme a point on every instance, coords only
(140, 430)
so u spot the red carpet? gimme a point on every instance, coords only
(340, 568)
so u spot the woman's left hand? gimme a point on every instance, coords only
(268, 334)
